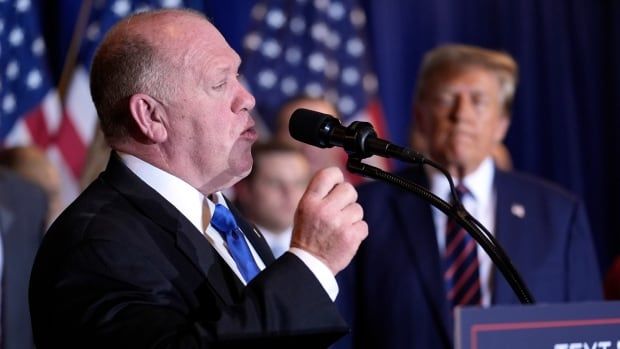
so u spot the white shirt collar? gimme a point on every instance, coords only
(179, 193)
(189, 201)
(479, 182)
(278, 242)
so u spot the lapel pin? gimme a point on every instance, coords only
(257, 232)
(518, 210)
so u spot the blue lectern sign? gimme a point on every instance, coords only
(560, 326)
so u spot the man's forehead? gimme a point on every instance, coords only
(463, 88)
(466, 80)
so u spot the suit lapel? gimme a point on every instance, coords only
(188, 239)
(196, 247)
(422, 245)
(254, 235)
(510, 215)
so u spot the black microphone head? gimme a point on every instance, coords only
(312, 127)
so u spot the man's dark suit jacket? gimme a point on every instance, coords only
(23, 214)
(123, 268)
(393, 294)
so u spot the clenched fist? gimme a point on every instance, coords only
(329, 222)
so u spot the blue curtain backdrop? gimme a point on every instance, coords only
(566, 119)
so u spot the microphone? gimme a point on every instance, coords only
(358, 139)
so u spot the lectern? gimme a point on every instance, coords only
(593, 325)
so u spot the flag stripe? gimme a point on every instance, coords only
(37, 126)
(71, 147)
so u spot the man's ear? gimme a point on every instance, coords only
(148, 114)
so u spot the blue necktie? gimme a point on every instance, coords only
(461, 262)
(224, 222)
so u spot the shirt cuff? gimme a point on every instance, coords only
(320, 271)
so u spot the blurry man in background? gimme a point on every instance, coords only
(269, 195)
(23, 219)
(417, 265)
(500, 153)
(96, 160)
(33, 165)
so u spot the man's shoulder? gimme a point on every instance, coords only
(24, 199)
(14, 187)
(525, 184)
(101, 222)
(98, 210)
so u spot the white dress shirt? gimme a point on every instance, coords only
(189, 202)
(278, 242)
(481, 203)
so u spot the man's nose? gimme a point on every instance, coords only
(462, 109)
(244, 99)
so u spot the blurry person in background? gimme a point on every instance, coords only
(417, 265)
(500, 153)
(23, 219)
(31, 163)
(96, 159)
(269, 195)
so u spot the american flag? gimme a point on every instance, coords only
(30, 111)
(313, 48)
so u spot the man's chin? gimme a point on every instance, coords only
(242, 169)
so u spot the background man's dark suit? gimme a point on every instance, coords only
(23, 213)
(129, 258)
(393, 292)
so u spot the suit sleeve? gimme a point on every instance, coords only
(113, 297)
(346, 303)
(584, 281)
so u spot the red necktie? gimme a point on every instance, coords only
(461, 275)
